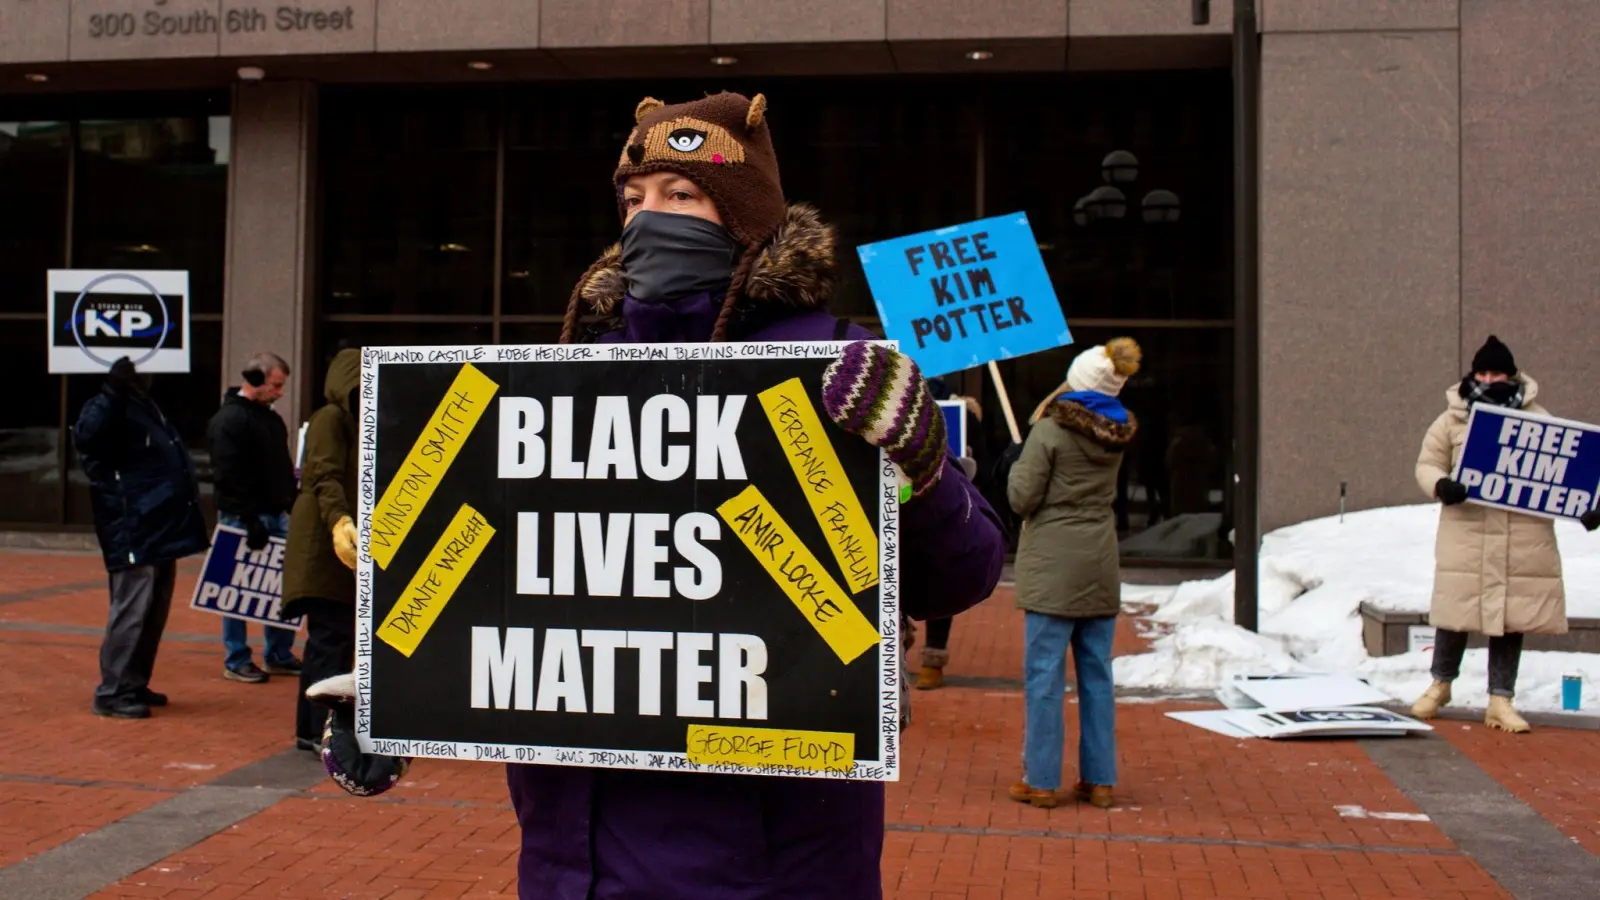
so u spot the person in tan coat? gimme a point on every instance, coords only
(1497, 573)
(1069, 580)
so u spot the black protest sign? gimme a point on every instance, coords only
(650, 557)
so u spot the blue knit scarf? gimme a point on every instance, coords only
(1099, 404)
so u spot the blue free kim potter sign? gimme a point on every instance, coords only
(1523, 462)
(241, 583)
(962, 296)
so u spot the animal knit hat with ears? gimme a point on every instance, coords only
(723, 144)
(1104, 369)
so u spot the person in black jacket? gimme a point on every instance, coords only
(249, 447)
(147, 515)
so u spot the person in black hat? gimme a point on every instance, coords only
(1498, 573)
(147, 515)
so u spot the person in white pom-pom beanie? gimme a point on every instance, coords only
(1068, 576)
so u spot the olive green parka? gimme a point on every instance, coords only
(327, 493)
(1064, 485)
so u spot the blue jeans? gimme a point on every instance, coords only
(1045, 669)
(280, 641)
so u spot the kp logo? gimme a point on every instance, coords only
(98, 317)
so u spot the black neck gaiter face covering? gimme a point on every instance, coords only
(667, 256)
(1494, 393)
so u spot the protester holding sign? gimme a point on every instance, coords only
(147, 516)
(711, 252)
(1498, 572)
(1068, 577)
(255, 487)
(317, 579)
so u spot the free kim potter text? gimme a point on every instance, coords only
(165, 21)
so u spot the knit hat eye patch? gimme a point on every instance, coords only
(686, 140)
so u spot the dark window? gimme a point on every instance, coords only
(153, 194)
(127, 182)
(528, 168)
(409, 203)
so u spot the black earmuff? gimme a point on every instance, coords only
(254, 377)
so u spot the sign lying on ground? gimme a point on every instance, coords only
(97, 316)
(1522, 462)
(1321, 721)
(962, 296)
(241, 583)
(1300, 704)
(624, 556)
(1298, 690)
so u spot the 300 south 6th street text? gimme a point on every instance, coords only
(161, 21)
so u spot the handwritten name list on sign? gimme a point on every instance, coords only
(436, 581)
(962, 296)
(656, 559)
(799, 429)
(430, 458)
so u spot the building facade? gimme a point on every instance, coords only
(339, 172)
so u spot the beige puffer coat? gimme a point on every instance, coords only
(1496, 572)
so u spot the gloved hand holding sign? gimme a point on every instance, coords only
(880, 394)
(361, 774)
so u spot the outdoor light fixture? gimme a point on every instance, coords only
(724, 60)
(37, 77)
(480, 65)
(251, 73)
(979, 55)
(1119, 167)
(1161, 207)
(1106, 202)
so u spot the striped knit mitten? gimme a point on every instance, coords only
(880, 394)
(361, 774)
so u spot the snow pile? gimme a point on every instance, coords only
(1314, 578)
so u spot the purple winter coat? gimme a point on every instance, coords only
(599, 834)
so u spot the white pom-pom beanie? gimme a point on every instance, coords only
(1105, 369)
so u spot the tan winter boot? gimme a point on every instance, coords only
(1427, 706)
(931, 677)
(1504, 716)
(1096, 795)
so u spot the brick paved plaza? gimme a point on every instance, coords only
(208, 800)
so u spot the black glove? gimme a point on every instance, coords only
(1590, 519)
(255, 533)
(123, 380)
(1450, 492)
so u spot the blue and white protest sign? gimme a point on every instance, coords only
(962, 296)
(955, 424)
(100, 315)
(241, 583)
(1522, 462)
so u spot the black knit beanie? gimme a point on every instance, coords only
(1494, 356)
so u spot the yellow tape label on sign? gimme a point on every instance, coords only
(436, 582)
(798, 574)
(818, 751)
(430, 457)
(822, 479)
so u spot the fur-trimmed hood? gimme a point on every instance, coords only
(796, 269)
(1074, 417)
